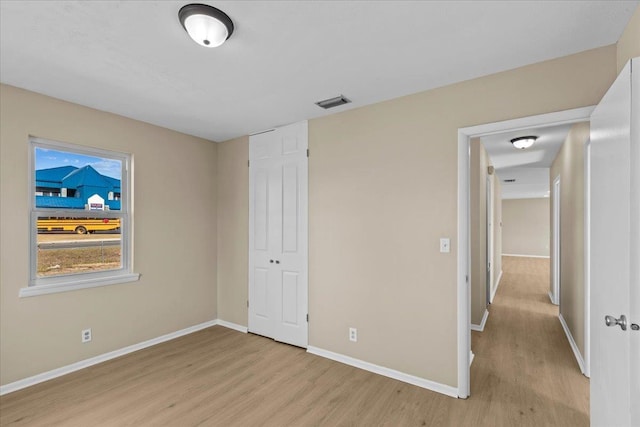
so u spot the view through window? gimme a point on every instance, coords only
(78, 211)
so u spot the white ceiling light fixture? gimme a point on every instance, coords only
(206, 25)
(523, 142)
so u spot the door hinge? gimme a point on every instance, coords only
(466, 279)
(307, 317)
(307, 152)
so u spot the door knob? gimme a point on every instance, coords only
(271, 261)
(612, 321)
(277, 262)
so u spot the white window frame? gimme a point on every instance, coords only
(75, 281)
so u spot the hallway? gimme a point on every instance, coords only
(524, 370)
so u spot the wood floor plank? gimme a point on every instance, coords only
(524, 374)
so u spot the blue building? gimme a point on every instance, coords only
(69, 187)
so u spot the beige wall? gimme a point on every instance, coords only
(479, 162)
(629, 44)
(174, 250)
(569, 165)
(233, 233)
(382, 192)
(498, 220)
(526, 227)
(478, 231)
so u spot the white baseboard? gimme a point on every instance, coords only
(493, 292)
(58, 372)
(483, 322)
(527, 256)
(233, 326)
(381, 370)
(551, 298)
(471, 357)
(574, 346)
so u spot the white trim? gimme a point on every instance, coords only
(483, 322)
(233, 326)
(76, 284)
(490, 241)
(464, 266)
(574, 346)
(381, 370)
(587, 259)
(495, 290)
(464, 250)
(471, 357)
(58, 372)
(556, 234)
(550, 297)
(528, 256)
(75, 281)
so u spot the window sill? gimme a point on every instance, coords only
(74, 285)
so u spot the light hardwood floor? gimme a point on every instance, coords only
(524, 374)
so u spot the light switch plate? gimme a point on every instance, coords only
(445, 245)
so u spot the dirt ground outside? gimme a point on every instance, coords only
(67, 259)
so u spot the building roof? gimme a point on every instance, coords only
(70, 203)
(73, 177)
(52, 177)
(86, 176)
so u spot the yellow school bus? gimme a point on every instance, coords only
(78, 225)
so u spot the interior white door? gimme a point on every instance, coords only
(614, 260)
(278, 230)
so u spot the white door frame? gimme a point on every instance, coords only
(464, 247)
(556, 190)
(587, 259)
(489, 227)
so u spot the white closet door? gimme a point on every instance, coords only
(278, 280)
(261, 237)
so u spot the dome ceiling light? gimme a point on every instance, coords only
(523, 142)
(206, 25)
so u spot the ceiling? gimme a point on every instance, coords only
(133, 58)
(529, 167)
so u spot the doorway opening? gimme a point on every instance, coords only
(464, 222)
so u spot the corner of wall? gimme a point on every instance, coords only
(233, 230)
(628, 46)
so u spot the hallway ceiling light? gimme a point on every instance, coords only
(206, 25)
(523, 142)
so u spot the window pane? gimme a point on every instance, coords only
(67, 180)
(77, 245)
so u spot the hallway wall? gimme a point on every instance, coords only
(525, 227)
(569, 165)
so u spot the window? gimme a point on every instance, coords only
(80, 217)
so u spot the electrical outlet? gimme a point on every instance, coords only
(353, 334)
(86, 335)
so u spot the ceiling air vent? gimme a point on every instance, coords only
(510, 180)
(333, 102)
